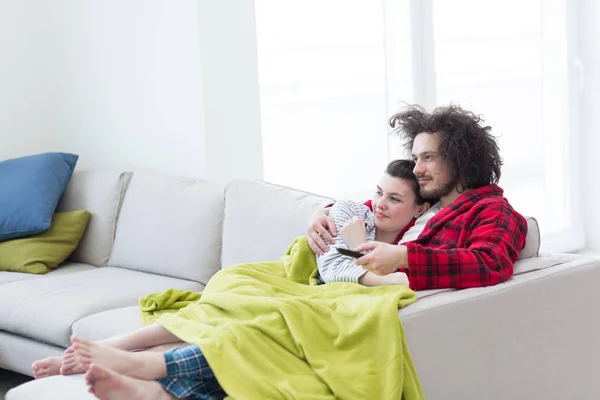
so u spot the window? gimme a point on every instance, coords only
(331, 73)
(322, 82)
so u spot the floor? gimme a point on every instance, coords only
(9, 379)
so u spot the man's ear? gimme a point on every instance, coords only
(422, 209)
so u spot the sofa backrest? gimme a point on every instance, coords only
(170, 226)
(262, 219)
(188, 229)
(101, 194)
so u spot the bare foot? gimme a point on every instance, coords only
(142, 365)
(46, 367)
(109, 385)
(71, 364)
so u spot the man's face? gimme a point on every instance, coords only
(435, 177)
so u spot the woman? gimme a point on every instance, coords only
(394, 208)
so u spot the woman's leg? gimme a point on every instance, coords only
(109, 385)
(143, 338)
(183, 372)
(68, 364)
(147, 337)
(146, 365)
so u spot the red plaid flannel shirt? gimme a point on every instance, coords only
(472, 242)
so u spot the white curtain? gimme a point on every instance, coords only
(332, 72)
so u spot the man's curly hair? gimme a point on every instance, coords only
(466, 146)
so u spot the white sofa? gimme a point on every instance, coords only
(535, 336)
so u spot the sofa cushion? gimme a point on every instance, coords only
(41, 253)
(68, 268)
(262, 219)
(72, 387)
(108, 323)
(532, 241)
(100, 193)
(45, 309)
(170, 226)
(30, 188)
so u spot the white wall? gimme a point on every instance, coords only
(589, 34)
(121, 83)
(29, 105)
(230, 89)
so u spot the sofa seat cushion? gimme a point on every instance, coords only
(108, 323)
(100, 193)
(68, 268)
(59, 387)
(9, 276)
(170, 226)
(45, 309)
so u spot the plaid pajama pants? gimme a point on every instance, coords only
(189, 375)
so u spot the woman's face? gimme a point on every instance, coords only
(394, 204)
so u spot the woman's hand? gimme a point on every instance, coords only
(383, 259)
(320, 227)
(395, 278)
(354, 232)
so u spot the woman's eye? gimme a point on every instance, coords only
(378, 193)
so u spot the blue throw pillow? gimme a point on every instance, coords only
(30, 188)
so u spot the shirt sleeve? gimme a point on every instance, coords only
(497, 235)
(333, 266)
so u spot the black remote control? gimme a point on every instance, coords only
(349, 253)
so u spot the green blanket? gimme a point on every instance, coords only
(269, 332)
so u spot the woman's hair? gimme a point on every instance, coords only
(403, 169)
(466, 146)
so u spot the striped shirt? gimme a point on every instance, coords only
(333, 266)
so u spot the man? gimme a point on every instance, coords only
(475, 238)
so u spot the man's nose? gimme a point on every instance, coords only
(418, 169)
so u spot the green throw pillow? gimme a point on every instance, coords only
(42, 253)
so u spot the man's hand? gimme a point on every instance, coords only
(354, 232)
(320, 227)
(383, 259)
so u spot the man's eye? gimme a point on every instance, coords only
(428, 158)
(395, 199)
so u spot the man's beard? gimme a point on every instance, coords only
(443, 190)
